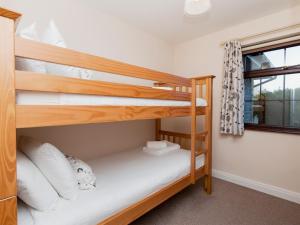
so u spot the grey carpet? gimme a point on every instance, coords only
(229, 204)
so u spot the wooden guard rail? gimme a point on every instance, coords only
(30, 81)
(183, 139)
(181, 88)
(42, 115)
(44, 52)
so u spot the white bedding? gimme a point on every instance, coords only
(40, 98)
(122, 179)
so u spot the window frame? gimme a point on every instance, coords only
(285, 70)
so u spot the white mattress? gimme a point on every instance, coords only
(122, 179)
(41, 98)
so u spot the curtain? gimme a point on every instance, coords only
(232, 112)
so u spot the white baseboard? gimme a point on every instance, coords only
(258, 186)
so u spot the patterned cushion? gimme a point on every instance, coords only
(83, 172)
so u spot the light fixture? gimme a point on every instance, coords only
(196, 7)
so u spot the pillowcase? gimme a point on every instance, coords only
(29, 64)
(52, 36)
(52, 164)
(33, 188)
(83, 172)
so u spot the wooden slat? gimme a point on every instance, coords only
(200, 172)
(199, 136)
(49, 83)
(161, 84)
(7, 110)
(8, 211)
(9, 14)
(200, 91)
(41, 116)
(178, 140)
(157, 129)
(39, 51)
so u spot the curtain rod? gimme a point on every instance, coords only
(294, 26)
(297, 34)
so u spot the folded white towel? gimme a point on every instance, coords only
(156, 144)
(161, 151)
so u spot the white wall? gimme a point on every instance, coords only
(86, 29)
(265, 157)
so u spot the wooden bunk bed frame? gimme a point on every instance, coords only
(14, 116)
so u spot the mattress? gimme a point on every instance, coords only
(41, 98)
(122, 179)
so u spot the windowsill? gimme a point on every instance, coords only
(272, 129)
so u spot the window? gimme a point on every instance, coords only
(272, 88)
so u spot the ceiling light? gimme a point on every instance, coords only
(196, 7)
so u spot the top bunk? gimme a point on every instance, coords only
(172, 95)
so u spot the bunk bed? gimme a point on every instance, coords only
(184, 92)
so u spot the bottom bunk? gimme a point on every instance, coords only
(131, 181)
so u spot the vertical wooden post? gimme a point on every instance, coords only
(193, 131)
(208, 139)
(157, 129)
(200, 89)
(8, 199)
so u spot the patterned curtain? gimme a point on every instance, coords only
(232, 112)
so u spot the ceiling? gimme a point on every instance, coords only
(165, 19)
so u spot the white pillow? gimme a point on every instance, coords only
(83, 172)
(52, 36)
(29, 64)
(33, 188)
(52, 164)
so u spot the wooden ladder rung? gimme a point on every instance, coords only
(200, 152)
(201, 135)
